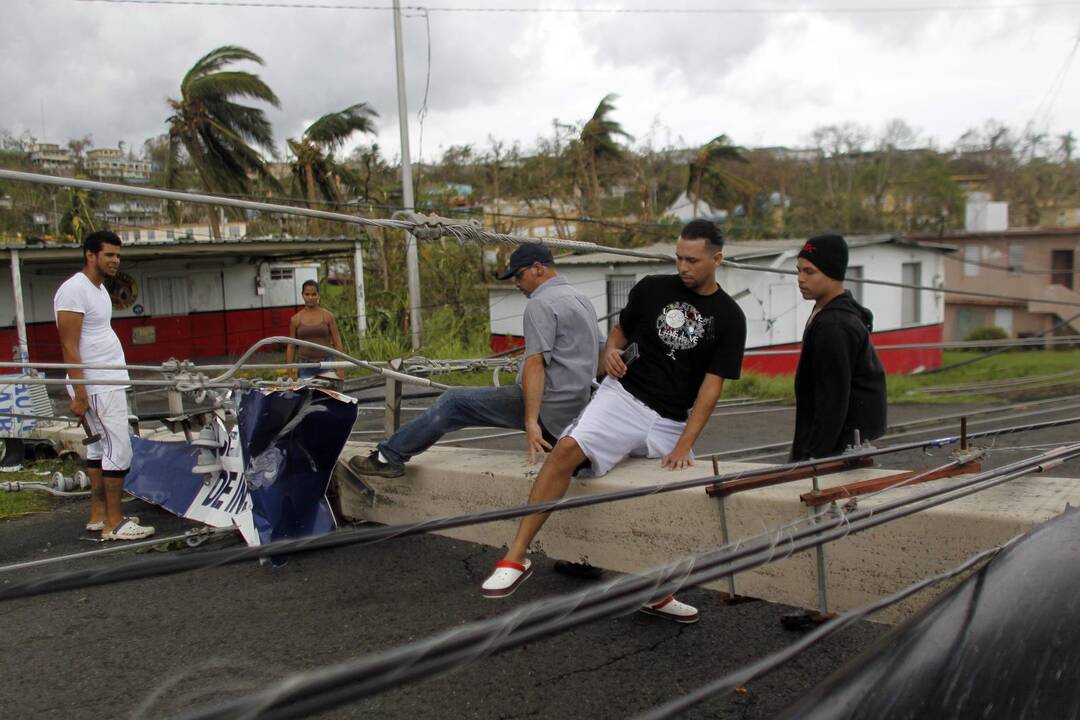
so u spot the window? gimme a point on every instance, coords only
(167, 296)
(855, 272)
(170, 234)
(910, 299)
(189, 233)
(971, 258)
(280, 273)
(150, 235)
(234, 231)
(1016, 257)
(137, 235)
(1061, 268)
(618, 290)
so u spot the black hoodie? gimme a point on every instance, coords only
(840, 383)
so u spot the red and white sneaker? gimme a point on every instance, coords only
(507, 577)
(672, 609)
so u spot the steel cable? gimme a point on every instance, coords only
(433, 227)
(769, 663)
(304, 694)
(164, 566)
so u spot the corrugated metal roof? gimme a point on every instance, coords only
(268, 246)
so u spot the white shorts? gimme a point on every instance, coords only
(615, 424)
(108, 417)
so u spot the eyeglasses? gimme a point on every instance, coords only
(520, 272)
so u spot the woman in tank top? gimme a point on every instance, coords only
(314, 324)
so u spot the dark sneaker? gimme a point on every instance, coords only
(372, 465)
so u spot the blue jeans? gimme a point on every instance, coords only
(457, 408)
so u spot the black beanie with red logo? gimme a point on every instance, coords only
(829, 254)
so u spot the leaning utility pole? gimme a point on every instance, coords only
(412, 260)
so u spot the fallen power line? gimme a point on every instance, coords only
(305, 694)
(165, 566)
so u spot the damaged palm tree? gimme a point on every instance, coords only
(221, 137)
(316, 174)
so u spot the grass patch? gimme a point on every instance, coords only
(1005, 366)
(907, 388)
(27, 502)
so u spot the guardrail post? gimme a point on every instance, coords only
(392, 416)
(823, 602)
(724, 531)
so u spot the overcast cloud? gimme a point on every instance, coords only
(763, 79)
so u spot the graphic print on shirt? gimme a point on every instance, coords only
(681, 327)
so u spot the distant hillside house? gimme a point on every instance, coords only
(51, 158)
(111, 164)
(685, 210)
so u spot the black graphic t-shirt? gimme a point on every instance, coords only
(681, 336)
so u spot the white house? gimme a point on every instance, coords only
(686, 210)
(775, 312)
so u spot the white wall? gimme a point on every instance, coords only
(775, 312)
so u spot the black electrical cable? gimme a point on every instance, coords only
(165, 566)
(311, 692)
(774, 660)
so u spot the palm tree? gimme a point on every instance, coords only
(315, 171)
(711, 177)
(220, 136)
(1067, 146)
(597, 144)
(78, 217)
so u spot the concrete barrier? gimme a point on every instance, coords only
(632, 535)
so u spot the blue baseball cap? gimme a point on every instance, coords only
(525, 255)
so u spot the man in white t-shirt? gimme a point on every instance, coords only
(83, 310)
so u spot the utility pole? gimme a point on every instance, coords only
(412, 260)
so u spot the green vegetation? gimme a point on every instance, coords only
(907, 388)
(26, 502)
(987, 332)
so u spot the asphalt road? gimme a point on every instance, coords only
(151, 648)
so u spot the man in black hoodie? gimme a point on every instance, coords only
(840, 383)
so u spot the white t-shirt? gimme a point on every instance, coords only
(98, 343)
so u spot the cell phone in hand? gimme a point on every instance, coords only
(630, 354)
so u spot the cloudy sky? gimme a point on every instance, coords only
(763, 73)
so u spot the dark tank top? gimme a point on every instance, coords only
(318, 333)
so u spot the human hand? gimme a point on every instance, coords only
(534, 438)
(79, 406)
(677, 460)
(613, 363)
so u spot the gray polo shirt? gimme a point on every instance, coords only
(560, 323)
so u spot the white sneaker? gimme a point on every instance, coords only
(100, 524)
(672, 609)
(128, 529)
(506, 578)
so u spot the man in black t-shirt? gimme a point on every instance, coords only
(678, 338)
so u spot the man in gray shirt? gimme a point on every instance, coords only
(561, 349)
